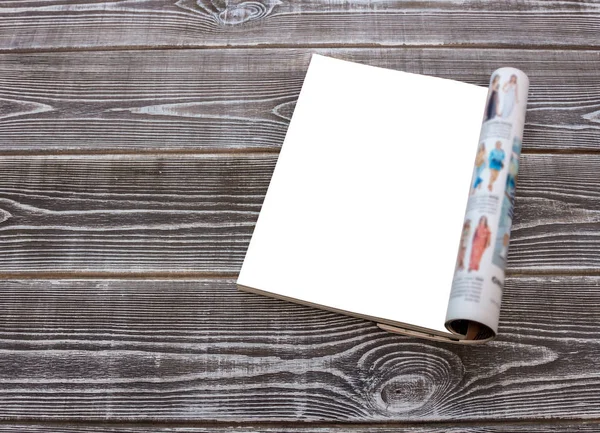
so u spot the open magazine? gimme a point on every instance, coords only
(365, 214)
(476, 294)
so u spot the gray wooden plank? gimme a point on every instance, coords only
(128, 213)
(201, 351)
(240, 99)
(544, 427)
(195, 214)
(50, 24)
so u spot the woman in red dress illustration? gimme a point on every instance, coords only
(464, 243)
(481, 241)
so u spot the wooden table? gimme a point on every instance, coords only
(137, 139)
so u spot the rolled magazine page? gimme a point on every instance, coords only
(474, 305)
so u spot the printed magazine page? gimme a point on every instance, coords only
(474, 304)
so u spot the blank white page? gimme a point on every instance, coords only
(365, 208)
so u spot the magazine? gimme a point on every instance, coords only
(392, 200)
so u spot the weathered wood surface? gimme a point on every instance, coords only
(129, 213)
(199, 350)
(196, 355)
(216, 100)
(505, 427)
(30, 25)
(196, 213)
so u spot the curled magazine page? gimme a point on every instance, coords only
(474, 304)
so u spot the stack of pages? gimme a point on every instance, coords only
(392, 200)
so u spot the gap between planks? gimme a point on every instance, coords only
(297, 426)
(255, 151)
(549, 47)
(182, 276)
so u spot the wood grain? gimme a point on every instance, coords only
(199, 350)
(505, 427)
(208, 112)
(242, 99)
(51, 24)
(130, 214)
(195, 213)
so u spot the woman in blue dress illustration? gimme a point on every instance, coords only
(496, 162)
(491, 109)
(479, 166)
(509, 96)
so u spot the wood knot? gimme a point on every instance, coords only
(246, 11)
(411, 377)
(230, 12)
(410, 391)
